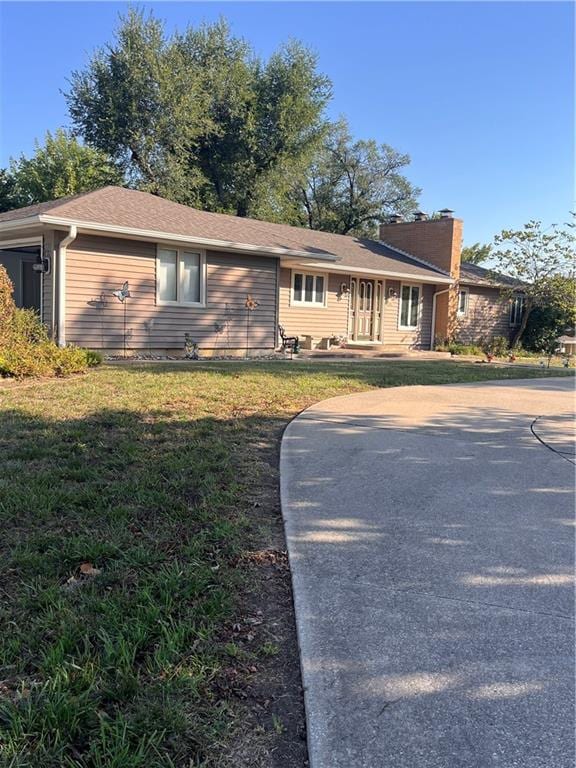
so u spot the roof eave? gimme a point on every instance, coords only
(171, 237)
(27, 221)
(432, 278)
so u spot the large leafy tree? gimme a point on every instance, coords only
(541, 261)
(476, 254)
(196, 117)
(60, 167)
(353, 185)
(7, 198)
(552, 318)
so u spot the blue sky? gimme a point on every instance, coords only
(481, 95)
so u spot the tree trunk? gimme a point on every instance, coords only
(522, 328)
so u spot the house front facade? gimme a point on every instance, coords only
(228, 283)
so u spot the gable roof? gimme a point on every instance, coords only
(127, 211)
(474, 274)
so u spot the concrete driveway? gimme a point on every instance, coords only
(430, 533)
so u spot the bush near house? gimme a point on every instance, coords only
(26, 349)
(495, 346)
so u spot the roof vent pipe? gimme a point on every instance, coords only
(446, 213)
(420, 216)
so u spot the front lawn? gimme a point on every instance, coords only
(145, 601)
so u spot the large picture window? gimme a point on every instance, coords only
(179, 277)
(517, 308)
(309, 289)
(409, 307)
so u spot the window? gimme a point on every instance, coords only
(179, 277)
(463, 302)
(517, 308)
(308, 289)
(409, 306)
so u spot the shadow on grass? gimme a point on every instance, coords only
(128, 666)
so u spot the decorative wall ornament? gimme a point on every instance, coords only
(190, 347)
(122, 294)
(251, 305)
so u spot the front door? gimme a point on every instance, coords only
(366, 309)
(361, 308)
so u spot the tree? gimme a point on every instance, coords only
(476, 254)
(61, 167)
(352, 185)
(539, 261)
(555, 315)
(197, 117)
(7, 198)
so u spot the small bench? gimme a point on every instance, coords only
(288, 342)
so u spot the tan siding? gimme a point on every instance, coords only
(333, 319)
(487, 316)
(319, 322)
(392, 334)
(98, 265)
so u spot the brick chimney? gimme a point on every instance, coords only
(438, 241)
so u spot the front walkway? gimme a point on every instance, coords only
(430, 539)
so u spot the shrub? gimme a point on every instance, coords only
(456, 348)
(93, 358)
(497, 346)
(25, 348)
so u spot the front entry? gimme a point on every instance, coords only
(26, 281)
(366, 310)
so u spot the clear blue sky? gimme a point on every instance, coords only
(481, 95)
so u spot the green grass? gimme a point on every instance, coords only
(149, 474)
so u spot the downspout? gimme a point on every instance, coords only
(70, 237)
(433, 328)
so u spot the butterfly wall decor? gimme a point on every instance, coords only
(123, 293)
(251, 303)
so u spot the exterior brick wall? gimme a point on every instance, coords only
(439, 242)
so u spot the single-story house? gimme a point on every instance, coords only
(229, 282)
(567, 344)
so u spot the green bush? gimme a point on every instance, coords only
(456, 348)
(25, 348)
(498, 346)
(93, 358)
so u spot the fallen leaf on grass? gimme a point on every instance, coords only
(87, 569)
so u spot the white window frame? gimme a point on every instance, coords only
(466, 292)
(521, 299)
(420, 300)
(179, 251)
(303, 302)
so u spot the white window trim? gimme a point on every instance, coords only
(466, 292)
(303, 303)
(203, 274)
(420, 300)
(518, 298)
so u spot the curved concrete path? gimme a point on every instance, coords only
(430, 539)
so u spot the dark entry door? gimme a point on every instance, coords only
(30, 286)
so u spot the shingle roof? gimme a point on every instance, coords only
(474, 274)
(128, 208)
